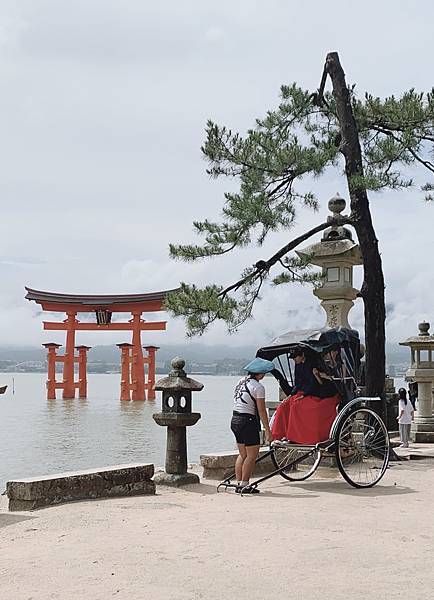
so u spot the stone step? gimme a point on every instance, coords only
(423, 437)
(423, 427)
(119, 480)
(221, 464)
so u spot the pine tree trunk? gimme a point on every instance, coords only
(373, 285)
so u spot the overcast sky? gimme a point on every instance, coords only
(102, 112)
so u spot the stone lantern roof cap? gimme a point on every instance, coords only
(177, 379)
(331, 248)
(423, 339)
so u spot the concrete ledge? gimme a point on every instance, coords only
(416, 451)
(163, 478)
(221, 464)
(119, 480)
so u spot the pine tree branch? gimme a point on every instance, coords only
(320, 96)
(247, 308)
(293, 273)
(263, 266)
(389, 127)
(426, 163)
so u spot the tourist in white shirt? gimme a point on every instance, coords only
(249, 412)
(405, 417)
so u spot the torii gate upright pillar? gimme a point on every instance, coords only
(125, 370)
(150, 361)
(68, 365)
(51, 365)
(82, 370)
(137, 370)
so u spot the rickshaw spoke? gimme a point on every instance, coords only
(301, 461)
(364, 435)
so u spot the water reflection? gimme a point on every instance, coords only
(68, 402)
(131, 407)
(49, 436)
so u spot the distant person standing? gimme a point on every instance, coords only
(412, 393)
(405, 417)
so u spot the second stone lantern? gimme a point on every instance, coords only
(421, 372)
(337, 254)
(177, 415)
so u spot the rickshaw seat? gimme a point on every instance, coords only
(305, 419)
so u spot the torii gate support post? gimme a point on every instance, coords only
(125, 370)
(137, 366)
(68, 365)
(82, 370)
(51, 368)
(150, 361)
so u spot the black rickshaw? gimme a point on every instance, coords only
(358, 438)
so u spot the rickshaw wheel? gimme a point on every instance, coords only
(283, 456)
(362, 448)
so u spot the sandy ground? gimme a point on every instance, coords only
(317, 539)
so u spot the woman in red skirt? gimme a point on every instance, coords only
(306, 416)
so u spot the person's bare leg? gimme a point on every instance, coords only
(249, 462)
(242, 455)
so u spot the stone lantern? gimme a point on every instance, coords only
(336, 254)
(177, 415)
(421, 371)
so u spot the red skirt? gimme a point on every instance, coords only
(304, 419)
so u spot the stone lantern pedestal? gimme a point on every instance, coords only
(177, 415)
(421, 371)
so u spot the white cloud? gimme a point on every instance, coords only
(214, 35)
(149, 274)
(102, 112)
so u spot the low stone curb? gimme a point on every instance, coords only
(119, 480)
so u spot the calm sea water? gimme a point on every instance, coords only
(40, 436)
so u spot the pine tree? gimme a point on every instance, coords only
(374, 140)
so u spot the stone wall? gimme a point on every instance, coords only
(121, 480)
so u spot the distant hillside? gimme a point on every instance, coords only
(22, 354)
(397, 354)
(190, 351)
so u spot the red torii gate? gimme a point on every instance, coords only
(133, 361)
